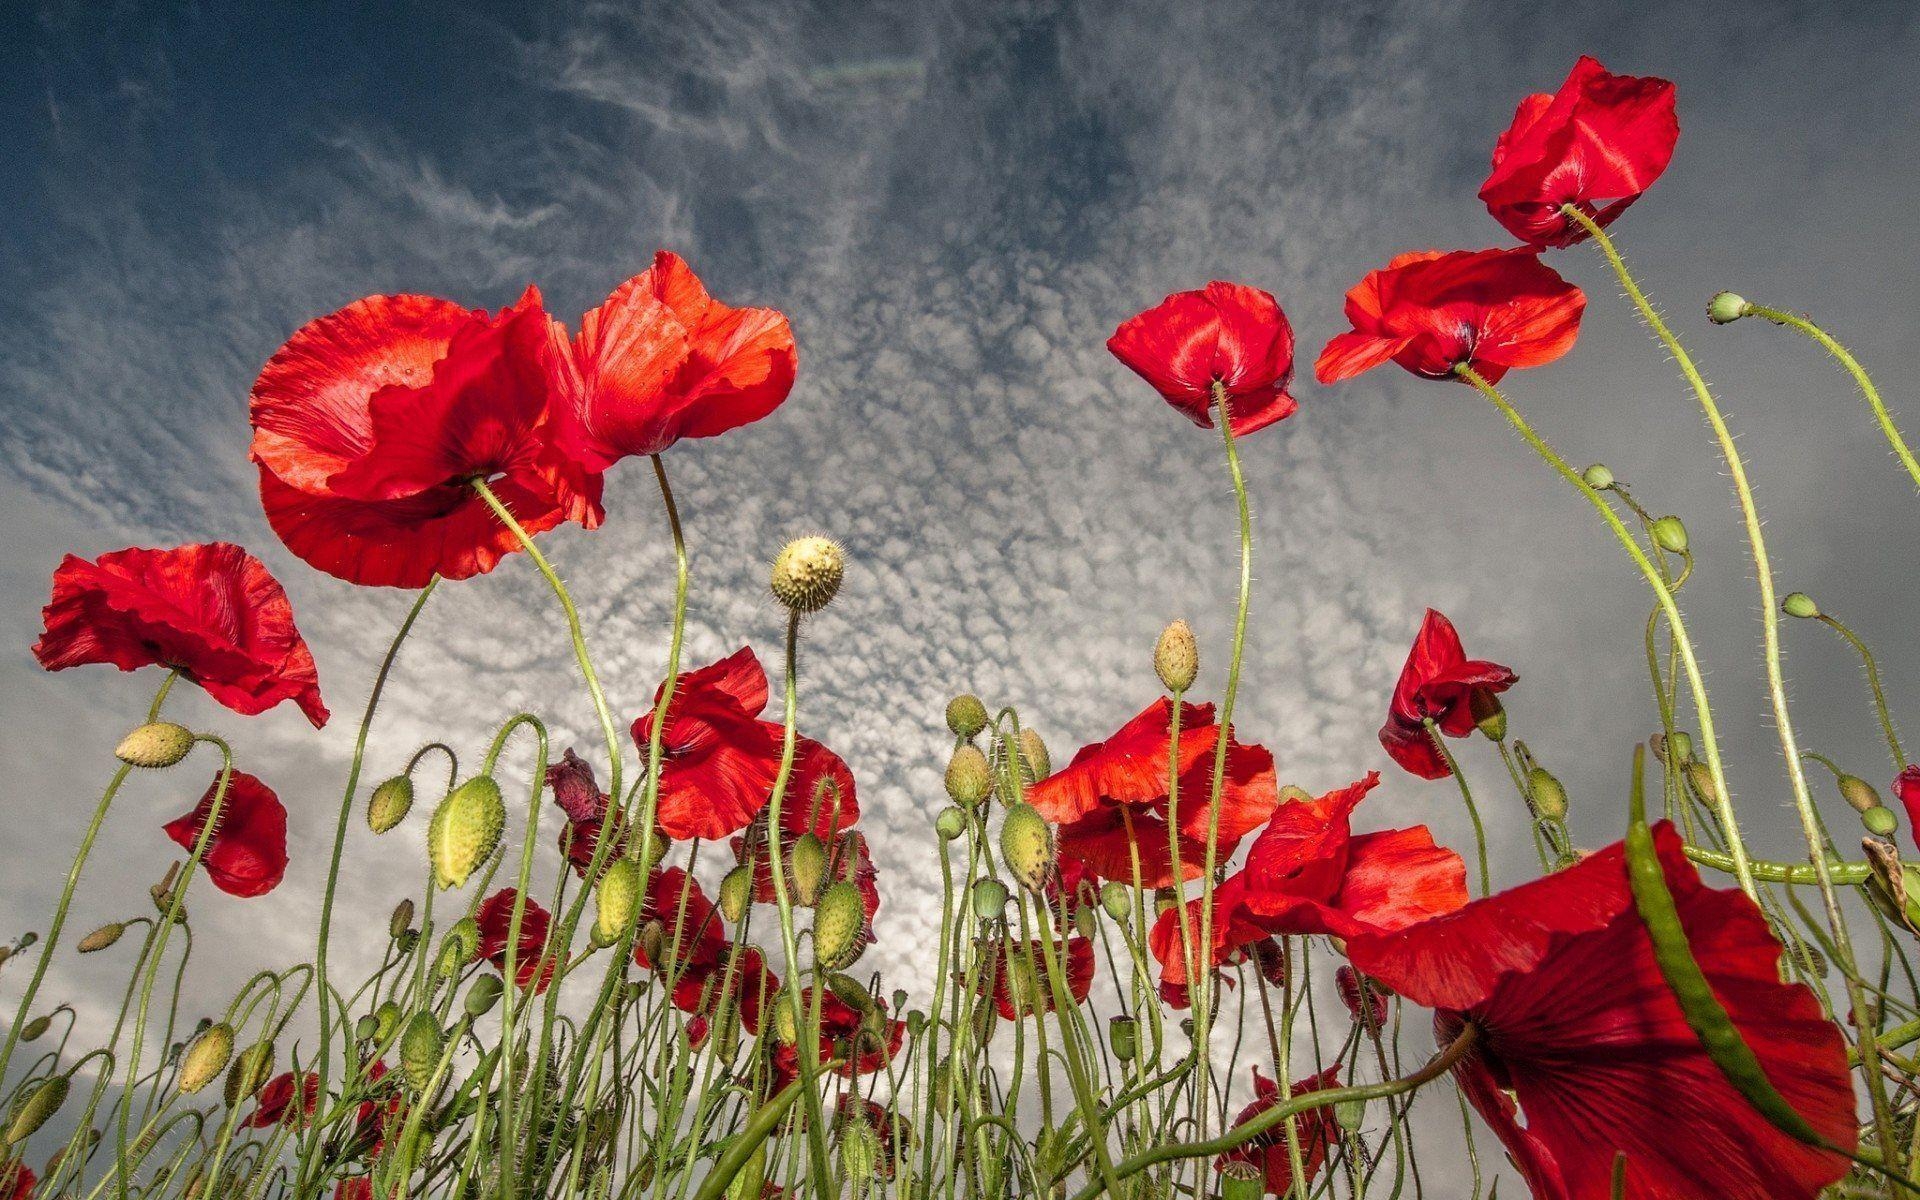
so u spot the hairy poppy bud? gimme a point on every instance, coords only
(1677, 747)
(1123, 1034)
(483, 994)
(163, 896)
(1026, 845)
(1858, 793)
(465, 830)
(1035, 763)
(786, 1022)
(420, 1047)
(386, 1020)
(951, 823)
(367, 1028)
(859, 1152)
(1114, 899)
(1807, 956)
(989, 899)
(154, 745)
(1799, 604)
(736, 893)
(966, 715)
(249, 1072)
(102, 937)
(390, 803)
(35, 1108)
(839, 926)
(1598, 477)
(1881, 822)
(206, 1057)
(616, 900)
(457, 948)
(807, 864)
(969, 778)
(33, 1030)
(849, 991)
(1488, 715)
(652, 939)
(1726, 307)
(1549, 798)
(1176, 657)
(1670, 534)
(807, 572)
(1702, 780)
(1241, 1180)
(401, 920)
(1350, 1114)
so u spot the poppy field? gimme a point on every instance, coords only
(652, 965)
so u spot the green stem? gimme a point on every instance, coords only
(1772, 872)
(1466, 794)
(1873, 682)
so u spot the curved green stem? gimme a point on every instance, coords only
(1466, 794)
(1873, 682)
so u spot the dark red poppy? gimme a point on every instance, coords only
(1597, 144)
(692, 933)
(1021, 984)
(495, 919)
(718, 759)
(585, 806)
(1579, 1033)
(864, 1041)
(704, 988)
(377, 1118)
(1111, 800)
(662, 360)
(17, 1180)
(1315, 1130)
(1438, 682)
(371, 423)
(213, 612)
(820, 799)
(1906, 789)
(276, 1101)
(1227, 334)
(1432, 311)
(1366, 999)
(360, 1187)
(248, 853)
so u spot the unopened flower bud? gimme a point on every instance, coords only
(1726, 308)
(966, 715)
(1241, 1180)
(483, 994)
(951, 823)
(154, 745)
(616, 900)
(35, 1029)
(1123, 1034)
(1488, 715)
(401, 920)
(1670, 534)
(1549, 798)
(390, 803)
(1799, 604)
(102, 937)
(839, 926)
(859, 1152)
(807, 864)
(1676, 747)
(1598, 477)
(652, 939)
(1881, 822)
(1035, 763)
(462, 941)
(989, 899)
(1351, 1114)
(1858, 793)
(807, 572)
(421, 1045)
(1114, 899)
(1026, 845)
(35, 1108)
(1702, 780)
(1176, 657)
(465, 830)
(386, 1020)
(736, 893)
(206, 1057)
(367, 1028)
(969, 777)
(249, 1072)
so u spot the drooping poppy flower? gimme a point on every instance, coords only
(1578, 1034)
(212, 612)
(1111, 801)
(530, 959)
(662, 360)
(1438, 682)
(1021, 983)
(1366, 999)
(1431, 311)
(718, 760)
(1227, 334)
(371, 424)
(1597, 144)
(248, 853)
(585, 806)
(17, 1180)
(276, 1104)
(1315, 1130)
(1906, 789)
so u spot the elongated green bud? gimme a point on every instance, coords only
(786, 1024)
(483, 994)
(1549, 798)
(616, 901)
(989, 899)
(249, 1072)
(1670, 534)
(736, 893)
(1123, 1034)
(420, 1048)
(1351, 1114)
(1035, 763)
(839, 926)
(950, 824)
(1858, 793)
(1026, 845)
(401, 921)
(750, 1182)
(1176, 657)
(807, 864)
(386, 1020)
(155, 745)
(465, 830)
(1488, 715)
(206, 1057)
(807, 572)
(969, 778)
(461, 943)
(101, 938)
(1114, 899)
(390, 803)
(36, 1107)
(35, 1029)
(859, 1152)
(966, 715)
(1701, 778)
(1881, 822)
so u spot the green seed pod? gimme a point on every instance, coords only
(390, 803)
(616, 901)
(386, 1020)
(1549, 798)
(367, 1028)
(989, 899)
(966, 716)
(457, 948)
(1881, 822)
(1241, 1180)
(465, 830)
(249, 1072)
(1035, 763)
(1858, 793)
(1670, 534)
(33, 1030)
(1176, 657)
(1123, 1034)
(950, 824)
(807, 572)
(483, 994)
(1115, 900)
(839, 926)
(969, 777)
(807, 864)
(102, 937)
(35, 1108)
(154, 745)
(1598, 477)
(1351, 1114)
(1726, 307)
(421, 1044)
(1799, 604)
(206, 1057)
(401, 920)
(1026, 845)
(736, 893)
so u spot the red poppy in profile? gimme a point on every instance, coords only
(1439, 683)
(1579, 1034)
(1597, 144)
(16, 1180)
(1431, 311)
(1315, 1130)
(1906, 789)
(212, 612)
(495, 919)
(247, 855)
(662, 360)
(718, 759)
(371, 423)
(585, 806)
(1226, 334)
(1021, 983)
(276, 1101)
(1111, 800)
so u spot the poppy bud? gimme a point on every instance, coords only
(154, 745)
(1677, 747)
(1799, 604)
(163, 897)
(33, 1030)
(1351, 1114)
(859, 1152)
(652, 940)
(807, 573)
(1670, 534)
(950, 824)
(401, 920)
(969, 778)
(1858, 793)
(1084, 922)
(989, 899)
(1241, 1180)
(457, 948)
(736, 893)
(1294, 794)
(483, 994)
(839, 926)
(966, 716)
(102, 937)
(807, 864)
(786, 1024)
(1114, 899)
(1702, 780)
(6, 952)
(1163, 901)
(616, 900)
(1026, 844)
(1598, 477)
(916, 1022)
(206, 1057)
(249, 1072)
(367, 1028)
(1176, 657)
(1123, 1034)
(1549, 798)
(1035, 763)
(900, 999)
(1726, 307)
(1880, 822)
(390, 803)
(420, 1047)
(386, 1020)
(465, 830)
(750, 1182)
(1488, 716)
(1366, 999)
(35, 1107)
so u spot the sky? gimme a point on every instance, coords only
(955, 204)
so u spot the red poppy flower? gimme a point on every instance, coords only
(495, 919)
(1111, 800)
(1315, 1130)
(248, 853)
(718, 759)
(276, 1101)
(16, 1180)
(1580, 1035)
(821, 799)
(1432, 311)
(1597, 143)
(864, 1041)
(1366, 999)
(585, 806)
(1021, 984)
(360, 1187)
(375, 1119)
(1441, 683)
(370, 424)
(662, 360)
(1227, 334)
(849, 1109)
(213, 612)
(704, 988)
(692, 931)
(1906, 789)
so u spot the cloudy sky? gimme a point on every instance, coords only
(955, 204)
